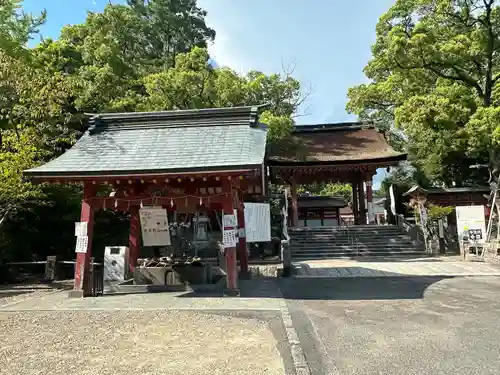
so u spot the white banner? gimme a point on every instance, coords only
(258, 222)
(154, 226)
(393, 200)
(423, 218)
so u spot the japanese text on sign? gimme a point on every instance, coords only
(81, 244)
(81, 228)
(229, 231)
(154, 226)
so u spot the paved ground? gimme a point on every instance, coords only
(401, 325)
(146, 334)
(407, 324)
(414, 267)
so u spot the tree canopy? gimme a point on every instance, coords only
(141, 56)
(434, 75)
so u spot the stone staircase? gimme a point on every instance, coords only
(349, 242)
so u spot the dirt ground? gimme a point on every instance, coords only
(136, 342)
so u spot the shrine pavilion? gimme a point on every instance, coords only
(209, 158)
(347, 153)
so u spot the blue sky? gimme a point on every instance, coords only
(328, 41)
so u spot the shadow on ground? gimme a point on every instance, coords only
(381, 288)
(362, 288)
(13, 293)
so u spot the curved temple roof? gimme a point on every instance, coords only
(163, 142)
(346, 143)
(219, 139)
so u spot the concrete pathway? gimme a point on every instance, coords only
(403, 268)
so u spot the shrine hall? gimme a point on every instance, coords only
(209, 159)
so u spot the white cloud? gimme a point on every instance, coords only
(222, 50)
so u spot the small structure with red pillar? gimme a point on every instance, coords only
(347, 153)
(209, 158)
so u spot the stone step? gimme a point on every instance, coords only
(351, 248)
(347, 255)
(351, 227)
(346, 242)
(342, 248)
(361, 234)
(330, 230)
(349, 240)
(345, 233)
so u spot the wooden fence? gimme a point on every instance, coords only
(93, 286)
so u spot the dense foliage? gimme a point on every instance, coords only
(145, 55)
(434, 76)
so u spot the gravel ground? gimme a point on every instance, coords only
(135, 342)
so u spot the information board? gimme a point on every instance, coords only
(258, 222)
(82, 243)
(471, 218)
(81, 228)
(229, 231)
(154, 226)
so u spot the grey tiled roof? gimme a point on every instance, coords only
(163, 142)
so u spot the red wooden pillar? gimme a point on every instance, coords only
(230, 252)
(295, 206)
(134, 238)
(82, 266)
(369, 201)
(242, 240)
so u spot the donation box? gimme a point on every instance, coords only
(116, 263)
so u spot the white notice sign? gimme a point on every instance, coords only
(229, 232)
(154, 226)
(229, 221)
(229, 238)
(81, 228)
(470, 218)
(82, 243)
(258, 222)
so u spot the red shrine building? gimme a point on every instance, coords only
(347, 153)
(213, 159)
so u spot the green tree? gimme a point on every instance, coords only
(328, 190)
(115, 61)
(17, 27)
(434, 75)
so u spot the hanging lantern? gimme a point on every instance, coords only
(116, 203)
(171, 202)
(141, 205)
(201, 201)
